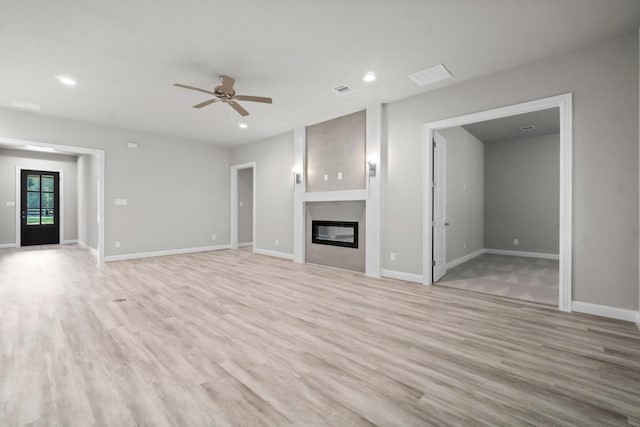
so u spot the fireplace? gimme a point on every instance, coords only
(335, 233)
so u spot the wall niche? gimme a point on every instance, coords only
(336, 154)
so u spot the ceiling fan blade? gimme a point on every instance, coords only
(227, 83)
(205, 103)
(253, 98)
(194, 88)
(238, 108)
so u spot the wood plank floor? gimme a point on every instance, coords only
(230, 338)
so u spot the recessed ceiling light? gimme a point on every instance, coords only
(243, 126)
(66, 80)
(369, 77)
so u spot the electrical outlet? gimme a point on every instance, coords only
(464, 245)
(117, 244)
(213, 237)
(277, 242)
(392, 256)
(339, 176)
(241, 204)
(326, 177)
(515, 242)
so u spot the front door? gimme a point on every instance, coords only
(40, 208)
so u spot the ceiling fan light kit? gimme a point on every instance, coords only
(226, 93)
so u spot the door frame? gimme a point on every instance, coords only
(233, 203)
(564, 104)
(29, 145)
(441, 189)
(60, 172)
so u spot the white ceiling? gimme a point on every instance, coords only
(508, 128)
(126, 55)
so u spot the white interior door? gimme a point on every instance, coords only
(439, 207)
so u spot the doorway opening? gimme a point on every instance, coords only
(242, 215)
(51, 203)
(516, 241)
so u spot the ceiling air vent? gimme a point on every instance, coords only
(27, 106)
(342, 89)
(527, 128)
(430, 75)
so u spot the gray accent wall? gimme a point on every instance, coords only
(245, 205)
(336, 256)
(522, 190)
(88, 200)
(605, 160)
(274, 190)
(177, 190)
(464, 193)
(333, 147)
(9, 159)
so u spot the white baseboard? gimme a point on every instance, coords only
(70, 242)
(522, 253)
(244, 245)
(93, 251)
(465, 258)
(8, 245)
(399, 275)
(273, 253)
(605, 311)
(163, 253)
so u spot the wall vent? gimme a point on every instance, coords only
(527, 128)
(430, 75)
(27, 106)
(342, 89)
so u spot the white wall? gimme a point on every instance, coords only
(9, 159)
(274, 190)
(522, 194)
(245, 205)
(604, 81)
(464, 193)
(177, 190)
(88, 200)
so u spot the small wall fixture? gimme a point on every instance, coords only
(297, 177)
(372, 168)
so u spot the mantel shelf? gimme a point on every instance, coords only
(334, 196)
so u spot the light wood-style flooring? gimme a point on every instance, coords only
(230, 338)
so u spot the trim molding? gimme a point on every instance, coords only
(565, 104)
(8, 245)
(164, 253)
(93, 251)
(465, 258)
(276, 254)
(522, 253)
(244, 245)
(70, 242)
(399, 275)
(606, 311)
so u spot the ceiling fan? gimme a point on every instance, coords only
(225, 93)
